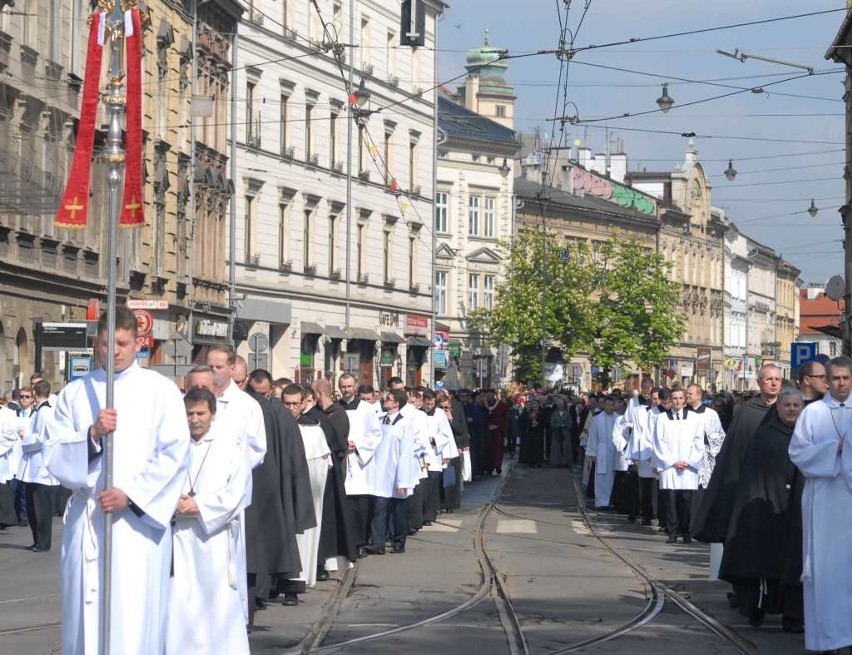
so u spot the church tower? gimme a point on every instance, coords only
(485, 90)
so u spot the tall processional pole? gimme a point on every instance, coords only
(117, 26)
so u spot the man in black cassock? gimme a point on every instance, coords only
(335, 538)
(710, 523)
(282, 505)
(762, 557)
(458, 424)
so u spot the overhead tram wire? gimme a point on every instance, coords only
(693, 102)
(699, 135)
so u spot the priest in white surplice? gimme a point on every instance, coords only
(678, 452)
(602, 451)
(150, 446)
(821, 448)
(205, 608)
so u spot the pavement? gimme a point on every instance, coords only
(565, 586)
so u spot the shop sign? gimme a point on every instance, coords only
(207, 328)
(389, 319)
(144, 321)
(80, 366)
(440, 358)
(147, 303)
(704, 358)
(454, 348)
(415, 324)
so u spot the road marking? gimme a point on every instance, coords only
(516, 526)
(580, 528)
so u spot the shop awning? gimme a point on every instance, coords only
(335, 332)
(309, 327)
(421, 342)
(361, 333)
(392, 337)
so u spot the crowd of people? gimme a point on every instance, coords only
(240, 490)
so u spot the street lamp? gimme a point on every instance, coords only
(813, 209)
(730, 172)
(665, 101)
(359, 97)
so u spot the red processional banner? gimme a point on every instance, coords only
(75, 207)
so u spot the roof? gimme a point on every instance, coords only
(460, 122)
(816, 314)
(838, 51)
(528, 189)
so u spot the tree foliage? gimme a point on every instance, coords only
(616, 303)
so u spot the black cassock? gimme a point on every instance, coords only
(710, 523)
(764, 540)
(335, 538)
(282, 505)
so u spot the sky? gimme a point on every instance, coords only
(786, 143)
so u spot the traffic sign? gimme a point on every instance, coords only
(258, 342)
(801, 352)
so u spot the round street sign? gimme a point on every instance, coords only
(258, 342)
(144, 321)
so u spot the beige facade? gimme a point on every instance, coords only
(786, 313)
(691, 238)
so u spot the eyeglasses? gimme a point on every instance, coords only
(26, 395)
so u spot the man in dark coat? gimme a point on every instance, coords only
(335, 539)
(762, 557)
(282, 505)
(714, 513)
(476, 428)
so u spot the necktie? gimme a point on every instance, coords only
(677, 416)
(387, 420)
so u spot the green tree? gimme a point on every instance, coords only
(616, 303)
(635, 311)
(545, 296)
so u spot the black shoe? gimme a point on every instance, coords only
(374, 551)
(499, 471)
(733, 600)
(794, 626)
(291, 599)
(411, 533)
(687, 539)
(427, 522)
(260, 604)
(322, 575)
(671, 539)
(646, 522)
(362, 552)
(398, 550)
(631, 519)
(755, 617)
(36, 549)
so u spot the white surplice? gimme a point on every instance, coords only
(621, 441)
(319, 461)
(395, 467)
(676, 440)
(32, 468)
(150, 447)
(205, 608)
(826, 521)
(365, 432)
(10, 443)
(600, 447)
(714, 437)
(640, 449)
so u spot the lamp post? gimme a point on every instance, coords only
(813, 209)
(665, 102)
(730, 172)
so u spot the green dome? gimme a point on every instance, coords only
(485, 63)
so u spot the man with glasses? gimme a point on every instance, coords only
(25, 408)
(812, 381)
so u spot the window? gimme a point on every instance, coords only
(473, 216)
(441, 210)
(359, 251)
(386, 155)
(364, 44)
(283, 231)
(473, 291)
(500, 111)
(361, 145)
(441, 292)
(250, 127)
(332, 244)
(332, 140)
(337, 21)
(412, 165)
(282, 125)
(248, 228)
(309, 134)
(412, 254)
(489, 217)
(306, 235)
(386, 256)
(390, 56)
(488, 295)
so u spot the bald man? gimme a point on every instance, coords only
(239, 372)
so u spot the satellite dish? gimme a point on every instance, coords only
(835, 287)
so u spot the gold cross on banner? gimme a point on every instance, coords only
(74, 207)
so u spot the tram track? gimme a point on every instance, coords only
(493, 584)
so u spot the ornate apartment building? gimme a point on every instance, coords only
(333, 242)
